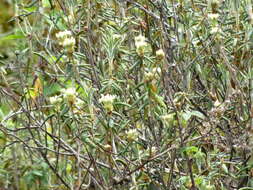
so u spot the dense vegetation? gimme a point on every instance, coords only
(126, 94)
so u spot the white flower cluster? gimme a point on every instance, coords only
(215, 30)
(66, 40)
(140, 43)
(55, 100)
(168, 118)
(160, 54)
(153, 74)
(132, 134)
(213, 17)
(71, 17)
(107, 100)
(70, 95)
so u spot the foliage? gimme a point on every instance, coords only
(124, 94)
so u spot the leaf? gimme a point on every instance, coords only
(37, 173)
(1, 114)
(14, 37)
(198, 114)
(159, 100)
(37, 87)
(188, 114)
(3, 140)
(122, 104)
(46, 3)
(31, 9)
(30, 94)
(68, 168)
(51, 89)
(224, 168)
(190, 149)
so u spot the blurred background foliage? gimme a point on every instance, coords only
(126, 94)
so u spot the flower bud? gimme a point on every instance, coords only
(70, 95)
(132, 135)
(55, 100)
(66, 40)
(213, 16)
(107, 101)
(140, 45)
(160, 54)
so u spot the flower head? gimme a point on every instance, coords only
(116, 36)
(140, 43)
(70, 95)
(139, 38)
(55, 100)
(66, 40)
(168, 119)
(153, 74)
(107, 100)
(148, 76)
(63, 34)
(69, 44)
(160, 54)
(132, 135)
(213, 16)
(215, 30)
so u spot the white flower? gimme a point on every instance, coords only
(107, 98)
(154, 74)
(215, 2)
(215, 30)
(148, 76)
(70, 91)
(140, 43)
(139, 38)
(63, 34)
(213, 16)
(157, 70)
(70, 18)
(66, 40)
(70, 95)
(116, 36)
(107, 101)
(132, 134)
(217, 103)
(168, 118)
(160, 54)
(55, 100)
(69, 42)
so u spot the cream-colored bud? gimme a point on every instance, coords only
(70, 95)
(160, 54)
(132, 135)
(140, 43)
(66, 40)
(148, 76)
(55, 100)
(213, 16)
(215, 30)
(107, 101)
(139, 38)
(63, 34)
(108, 147)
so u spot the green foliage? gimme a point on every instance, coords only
(113, 94)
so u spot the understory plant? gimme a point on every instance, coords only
(126, 94)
